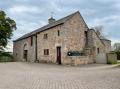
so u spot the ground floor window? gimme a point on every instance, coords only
(46, 51)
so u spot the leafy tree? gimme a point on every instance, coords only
(99, 31)
(7, 26)
(116, 46)
(117, 50)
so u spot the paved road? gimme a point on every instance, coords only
(19, 75)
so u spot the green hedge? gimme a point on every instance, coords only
(6, 57)
(112, 62)
(118, 55)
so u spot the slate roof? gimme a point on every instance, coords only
(105, 39)
(46, 27)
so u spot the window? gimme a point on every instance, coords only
(98, 50)
(45, 36)
(58, 33)
(46, 51)
(86, 38)
(31, 40)
(86, 35)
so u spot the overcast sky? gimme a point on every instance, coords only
(32, 14)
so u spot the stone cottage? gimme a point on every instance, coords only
(64, 41)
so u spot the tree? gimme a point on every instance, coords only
(99, 30)
(116, 46)
(7, 26)
(117, 50)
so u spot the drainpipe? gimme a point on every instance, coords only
(36, 60)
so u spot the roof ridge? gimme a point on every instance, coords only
(70, 15)
(57, 22)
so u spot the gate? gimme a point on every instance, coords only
(101, 58)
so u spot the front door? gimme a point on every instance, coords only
(59, 55)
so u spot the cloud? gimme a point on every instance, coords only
(9, 47)
(20, 9)
(32, 14)
(109, 20)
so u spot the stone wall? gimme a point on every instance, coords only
(90, 39)
(111, 58)
(107, 45)
(95, 43)
(78, 60)
(18, 50)
(74, 35)
(71, 38)
(98, 43)
(50, 43)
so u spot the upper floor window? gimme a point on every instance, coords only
(45, 36)
(31, 40)
(58, 33)
(46, 51)
(86, 35)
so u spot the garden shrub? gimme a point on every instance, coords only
(6, 57)
(112, 62)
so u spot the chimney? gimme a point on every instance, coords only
(51, 20)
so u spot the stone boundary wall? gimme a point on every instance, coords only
(78, 60)
(111, 58)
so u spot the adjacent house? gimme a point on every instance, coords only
(64, 41)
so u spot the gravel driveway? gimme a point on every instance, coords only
(21, 75)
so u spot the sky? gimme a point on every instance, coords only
(32, 14)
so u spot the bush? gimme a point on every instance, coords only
(118, 55)
(6, 57)
(112, 62)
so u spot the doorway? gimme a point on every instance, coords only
(59, 55)
(25, 55)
